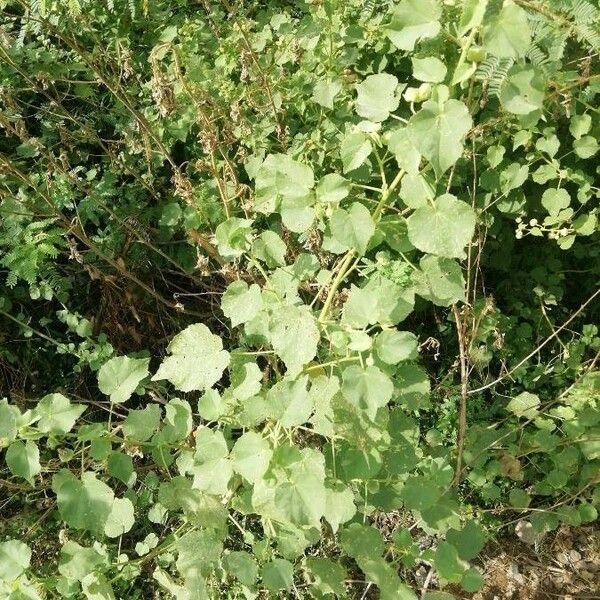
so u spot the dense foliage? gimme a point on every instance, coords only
(276, 273)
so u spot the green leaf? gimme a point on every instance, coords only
(289, 402)
(171, 215)
(514, 176)
(419, 493)
(472, 15)
(211, 405)
(508, 35)
(250, 456)
(329, 575)
(212, 469)
(233, 237)
(353, 228)
(197, 359)
(448, 563)
(580, 125)
(407, 156)
(23, 460)
(469, 541)
(297, 494)
(242, 566)
(332, 188)
(555, 200)
(297, 212)
(120, 519)
(120, 466)
(430, 69)
(385, 577)
(289, 324)
(440, 281)
(472, 580)
(413, 386)
(586, 147)
(56, 414)
(8, 423)
(413, 20)
(140, 425)
(120, 376)
(394, 346)
(76, 562)
(437, 132)
(241, 303)
(524, 405)
(83, 503)
(523, 90)
(270, 248)
(443, 229)
(177, 423)
(96, 586)
(519, 498)
(368, 388)
(360, 540)
(355, 148)
(376, 97)
(198, 552)
(325, 91)
(339, 506)
(278, 575)
(280, 176)
(15, 557)
(246, 381)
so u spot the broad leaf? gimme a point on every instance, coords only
(437, 132)
(240, 302)
(84, 503)
(56, 414)
(250, 456)
(443, 229)
(353, 228)
(120, 376)
(197, 359)
(367, 389)
(376, 97)
(288, 325)
(508, 35)
(23, 459)
(413, 20)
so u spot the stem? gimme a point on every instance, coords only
(464, 382)
(345, 266)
